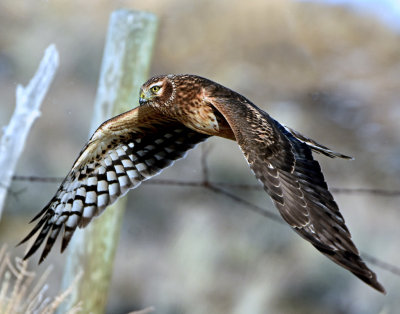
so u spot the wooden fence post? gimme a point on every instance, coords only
(125, 67)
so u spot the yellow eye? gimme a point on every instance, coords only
(155, 89)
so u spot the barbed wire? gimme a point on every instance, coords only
(374, 191)
(221, 189)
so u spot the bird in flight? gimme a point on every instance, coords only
(177, 112)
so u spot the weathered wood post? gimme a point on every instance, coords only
(125, 67)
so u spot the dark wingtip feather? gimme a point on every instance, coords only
(330, 153)
(55, 230)
(35, 229)
(317, 147)
(371, 281)
(323, 150)
(354, 264)
(41, 237)
(66, 238)
(41, 213)
(44, 255)
(34, 247)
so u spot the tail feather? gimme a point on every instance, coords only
(316, 147)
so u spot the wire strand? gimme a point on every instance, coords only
(220, 188)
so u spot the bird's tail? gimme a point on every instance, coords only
(316, 147)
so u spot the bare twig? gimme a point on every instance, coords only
(28, 101)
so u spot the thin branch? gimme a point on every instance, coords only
(28, 101)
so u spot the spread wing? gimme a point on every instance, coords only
(123, 152)
(293, 179)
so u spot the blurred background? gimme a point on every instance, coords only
(329, 69)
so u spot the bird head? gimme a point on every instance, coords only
(157, 91)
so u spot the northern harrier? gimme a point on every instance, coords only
(177, 112)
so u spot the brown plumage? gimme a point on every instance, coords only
(176, 112)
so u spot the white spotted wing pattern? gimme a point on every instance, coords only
(122, 153)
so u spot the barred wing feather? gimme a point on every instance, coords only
(123, 152)
(284, 165)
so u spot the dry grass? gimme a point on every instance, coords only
(23, 291)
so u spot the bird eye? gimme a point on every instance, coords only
(155, 89)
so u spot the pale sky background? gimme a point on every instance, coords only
(387, 10)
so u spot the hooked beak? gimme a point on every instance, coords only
(142, 98)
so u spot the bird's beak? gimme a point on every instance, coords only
(142, 98)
